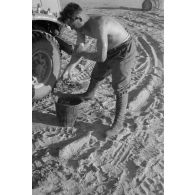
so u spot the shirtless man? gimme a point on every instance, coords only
(115, 54)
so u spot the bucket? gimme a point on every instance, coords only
(67, 110)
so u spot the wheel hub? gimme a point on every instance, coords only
(41, 68)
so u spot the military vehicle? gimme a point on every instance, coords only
(46, 48)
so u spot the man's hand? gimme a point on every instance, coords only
(67, 73)
(75, 60)
(83, 47)
(80, 48)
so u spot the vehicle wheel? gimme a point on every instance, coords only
(147, 5)
(45, 64)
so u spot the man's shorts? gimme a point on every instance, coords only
(119, 63)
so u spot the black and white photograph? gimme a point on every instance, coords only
(111, 108)
(98, 97)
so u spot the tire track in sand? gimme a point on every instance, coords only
(151, 81)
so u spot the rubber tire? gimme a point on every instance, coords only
(147, 5)
(49, 47)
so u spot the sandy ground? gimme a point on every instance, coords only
(75, 160)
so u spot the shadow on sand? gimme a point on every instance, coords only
(97, 129)
(54, 148)
(44, 118)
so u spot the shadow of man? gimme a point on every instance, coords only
(44, 118)
(97, 128)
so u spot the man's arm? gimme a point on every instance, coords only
(75, 58)
(102, 47)
(79, 46)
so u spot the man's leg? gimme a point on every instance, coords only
(121, 76)
(100, 71)
(121, 105)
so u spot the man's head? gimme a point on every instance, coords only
(72, 15)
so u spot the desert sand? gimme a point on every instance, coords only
(76, 160)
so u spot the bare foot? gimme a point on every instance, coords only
(111, 133)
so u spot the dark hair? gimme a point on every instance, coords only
(69, 12)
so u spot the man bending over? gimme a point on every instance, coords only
(115, 55)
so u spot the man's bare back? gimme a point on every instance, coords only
(108, 32)
(105, 26)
